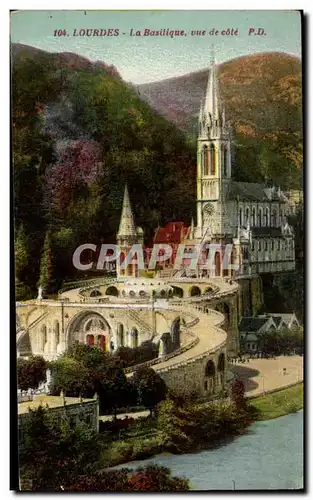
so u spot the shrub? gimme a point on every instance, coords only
(31, 372)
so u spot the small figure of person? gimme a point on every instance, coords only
(284, 371)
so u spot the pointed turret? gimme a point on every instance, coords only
(211, 106)
(127, 225)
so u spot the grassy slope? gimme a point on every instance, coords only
(279, 403)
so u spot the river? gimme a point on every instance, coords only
(269, 456)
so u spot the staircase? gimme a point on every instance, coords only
(36, 321)
(136, 317)
(168, 272)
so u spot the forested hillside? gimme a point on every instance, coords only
(80, 133)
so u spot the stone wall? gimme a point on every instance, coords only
(85, 412)
(190, 378)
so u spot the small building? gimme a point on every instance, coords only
(288, 320)
(253, 328)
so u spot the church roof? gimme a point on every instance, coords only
(253, 191)
(252, 323)
(127, 224)
(173, 232)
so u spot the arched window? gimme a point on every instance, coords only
(224, 160)
(101, 342)
(57, 332)
(240, 216)
(212, 159)
(266, 217)
(253, 216)
(260, 217)
(43, 336)
(134, 334)
(273, 245)
(252, 246)
(205, 160)
(265, 245)
(274, 218)
(247, 215)
(259, 246)
(120, 335)
(278, 245)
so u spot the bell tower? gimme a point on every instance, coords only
(213, 158)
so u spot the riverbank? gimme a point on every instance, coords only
(267, 457)
(151, 441)
(278, 403)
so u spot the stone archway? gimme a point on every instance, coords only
(43, 338)
(221, 366)
(178, 292)
(209, 377)
(89, 327)
(95, 293)
(175, 333)
(120, 335)
(165, 344)
(194, 291)
(134, 337)
(112, 290)
(56, 331)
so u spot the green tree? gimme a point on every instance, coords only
(237, 394)
(53, 454)
(21, 253)
(46, 265)
(112, 387)
(151, 388)
(177, 424)
(31, 372)
(70, 376)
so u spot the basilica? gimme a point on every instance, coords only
(249, 218)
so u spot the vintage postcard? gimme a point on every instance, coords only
(158, 250)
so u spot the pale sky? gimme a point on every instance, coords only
(145, 59)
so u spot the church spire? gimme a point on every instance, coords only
(211, 106)
(127, 224)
